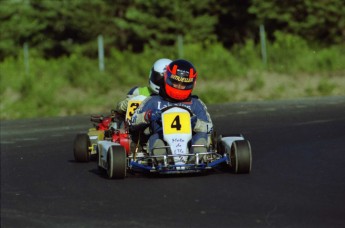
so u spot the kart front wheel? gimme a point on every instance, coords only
(117, 162)
(241, 157)
(81, 148)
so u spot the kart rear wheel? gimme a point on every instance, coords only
(81, 147)
(241, 156)
(117, 162)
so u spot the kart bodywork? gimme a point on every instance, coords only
(111, 128)
(118, 154)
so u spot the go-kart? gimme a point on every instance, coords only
(111, 143)
(111, 128)
(117, 158)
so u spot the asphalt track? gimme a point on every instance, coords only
(297, 179)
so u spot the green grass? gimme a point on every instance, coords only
(74, 85)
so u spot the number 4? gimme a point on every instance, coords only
(176, 123)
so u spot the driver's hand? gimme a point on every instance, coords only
(152, 115)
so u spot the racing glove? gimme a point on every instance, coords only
(152, 115)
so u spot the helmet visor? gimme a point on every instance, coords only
(182, 83)
(155, 77)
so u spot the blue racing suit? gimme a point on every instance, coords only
(201, 126)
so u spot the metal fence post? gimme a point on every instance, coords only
(263, 45)
(100, 53)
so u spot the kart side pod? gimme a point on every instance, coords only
(122, 139)
(238, 152)
(112, 158)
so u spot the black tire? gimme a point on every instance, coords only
(241, 157)
(117, 162)
(81, 148)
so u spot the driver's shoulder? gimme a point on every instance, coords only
(133, 91)
(197, 101)
(193, 96)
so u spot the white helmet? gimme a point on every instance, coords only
(157, 74)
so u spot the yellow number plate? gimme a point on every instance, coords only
(132, 106)
(177, 123)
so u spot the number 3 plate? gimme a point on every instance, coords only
(133, 104)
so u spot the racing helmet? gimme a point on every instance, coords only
(179, 79)
(157, 74)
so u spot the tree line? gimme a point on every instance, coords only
(58, 28)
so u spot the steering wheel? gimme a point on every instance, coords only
(182, 107)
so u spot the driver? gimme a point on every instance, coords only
(179, 81)
(155, 80)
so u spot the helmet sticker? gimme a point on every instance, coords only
(181, 79)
